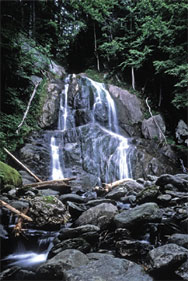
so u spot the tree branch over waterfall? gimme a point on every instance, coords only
(28, 106)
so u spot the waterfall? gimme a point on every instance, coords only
(56, 169)
(56, 166)
(120, 156)
(25, 256)
(63, 110)
(102, 95)
(90, 123)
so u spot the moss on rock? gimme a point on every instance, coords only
(9, 175)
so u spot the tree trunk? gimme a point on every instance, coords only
(133, 77)
(27, 109)
(160, 96)
(50, 183)
(22, 165)
(95, 49)
(33, 19)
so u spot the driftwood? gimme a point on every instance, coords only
(45, 184)
(27, 109)
(18, 227)
(108, 186)
(12, 209)
(22, 165)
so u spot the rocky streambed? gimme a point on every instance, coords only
(135, 231)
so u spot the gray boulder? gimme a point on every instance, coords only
(54, 268)
(108, 268)
(182, 132)
(177, 181)
(179, 239)
(147, 212)
(50, 108)
(182, 271)
(132, 105)
(48, 211)
(154, 127)
(100, 215)
(167, 256)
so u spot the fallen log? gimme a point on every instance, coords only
(108, 186)
(18, 227)
(12, 209)
(22, 165)
(42, 184)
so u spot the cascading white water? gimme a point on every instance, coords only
(102, 95)
(63, 111)
(57, 172)
(120, 156)
(110, 164)
(56, 169)
(25, 258)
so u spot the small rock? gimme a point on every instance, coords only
(182, 271)
(73, 243)
(87, 231)
(133, 248)
(164, 198)
(96, 202)
(3, 232)
(148, 194)
(117, 193)
(72, 197)
(19, 204)
(75, 209)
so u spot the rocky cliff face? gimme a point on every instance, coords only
(91, 149)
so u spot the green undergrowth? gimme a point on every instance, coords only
(9, 122)
(49, 199)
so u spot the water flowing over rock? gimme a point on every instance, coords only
(94, 137)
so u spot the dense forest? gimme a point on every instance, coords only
(140, 44)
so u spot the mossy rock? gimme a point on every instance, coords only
(9, 175)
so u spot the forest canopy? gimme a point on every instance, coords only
(143, 43)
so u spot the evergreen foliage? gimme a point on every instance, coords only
(114, 36)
